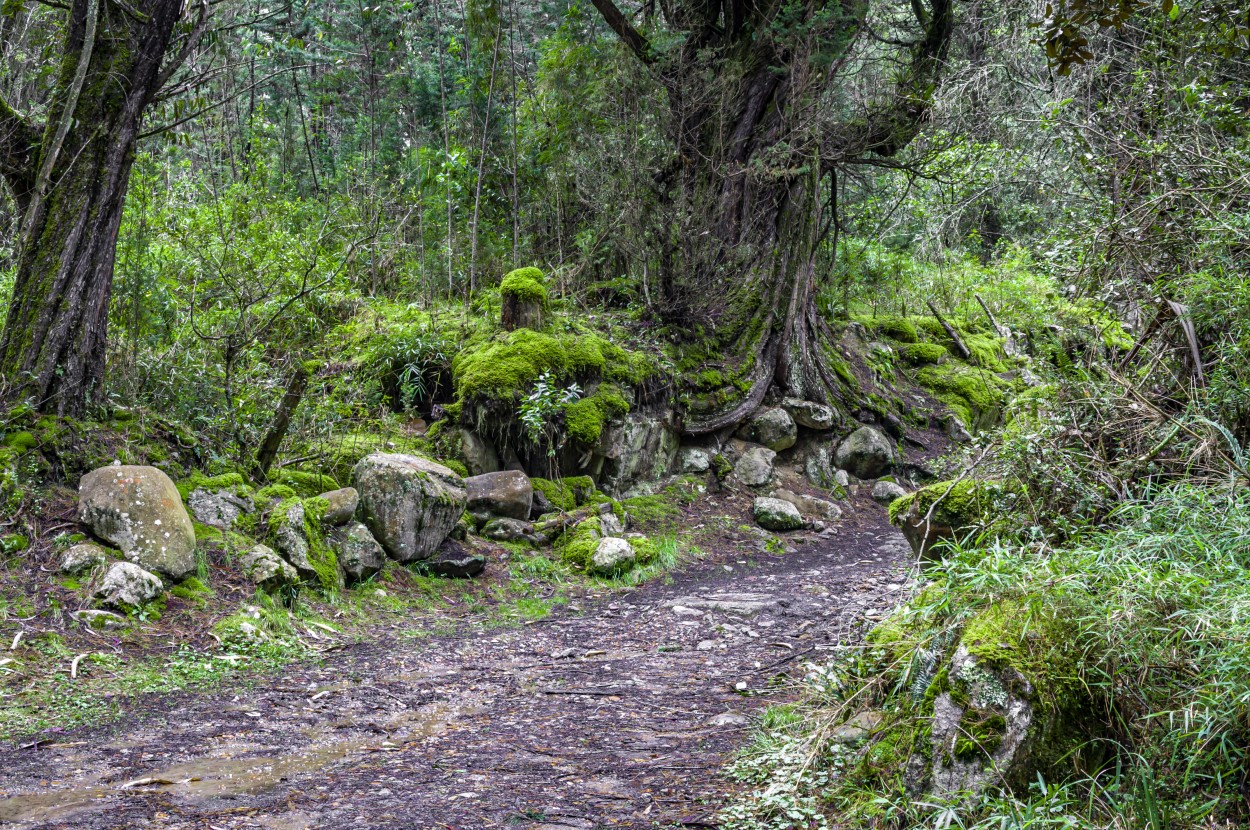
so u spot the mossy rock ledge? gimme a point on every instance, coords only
(943, 511)
(1003, 708)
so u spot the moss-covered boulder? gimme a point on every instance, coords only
(409, 504)
(770, 426)
(359, 554)
(139, 511)
(865, 453)
(975, 395)
(776, 514)
(943, 511)
(341, 506)
(810, 414)
(82, 558)
(265, 569)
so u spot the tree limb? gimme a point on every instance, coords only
(188, 46)
(888, 129)
(630, 36)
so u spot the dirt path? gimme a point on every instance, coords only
(614, 712)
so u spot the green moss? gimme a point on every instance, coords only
(960, 504)
(525, 284)
(721, 466)
(897, 328)
(275, 492)
(584, 419)
(14, 543)
(305, 484)
(213, 484)
(507, 365)
(578, 547)
(980, 734)
(654, 511)
(987, 350)
(22, 442)
(975, 395)
(921, 354)
(569, 493)
(455, 466)
(193, 590)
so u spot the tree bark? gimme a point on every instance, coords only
(52, 347)
(745, 90)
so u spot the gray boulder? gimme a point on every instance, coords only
(220, 508)
(127, 586)
(865, 453)
(771, 426)
(775, 514)
(266, 570)
(508, 493)
(818, 467)
(81, 558)
(410, 504)
(809, 413)
(507, 530)
(612, 555)
(884, 492)
(693, 460)
(292, 539)
(636, 447)
(453, 559)
(359, 554)
(138, 510)
(810, 505)
(342, 506)
(755, 467)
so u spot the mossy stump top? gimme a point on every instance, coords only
(523, 295)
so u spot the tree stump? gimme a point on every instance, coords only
(523, 296)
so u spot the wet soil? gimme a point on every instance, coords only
(619, 710)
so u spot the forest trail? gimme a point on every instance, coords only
(617, 711)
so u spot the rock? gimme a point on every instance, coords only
(266, 570)
(775, 514)
(744, 604)
(292, 540)
(884, 492)
(508, 530)
(98, 620)
(127, 586)
(610, 524)
(809, 413)
(728, 719)
(221, 508)
(771, 426)
(83, 557)
(541, 505)
(638, 447)
(138, 510)
(943, 511)
(693, 460)
(342, 506)
(453, 559)
(865, 453)
(810, 505)
(818, 467)
(842, 478)
(956, 431)
(857, 728)
(755, 467)
(359, 554)
(508, 493)
(410, 504)
(479, 456)
(612, 555)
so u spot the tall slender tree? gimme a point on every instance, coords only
(69, 176)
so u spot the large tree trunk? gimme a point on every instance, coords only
(746, 90)
(72, 186)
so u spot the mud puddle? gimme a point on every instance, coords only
(203, 780)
